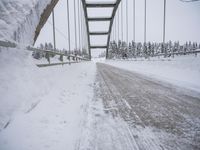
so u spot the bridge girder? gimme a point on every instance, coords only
(44, 17)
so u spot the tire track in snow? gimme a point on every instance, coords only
(157, 110)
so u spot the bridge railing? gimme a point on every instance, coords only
(8, 44)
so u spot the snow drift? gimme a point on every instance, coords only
(22, 20)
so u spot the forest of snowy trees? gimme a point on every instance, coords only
(133, 50)
(49, 46)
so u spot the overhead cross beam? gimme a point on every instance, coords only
(95, 19)
(97, 47)
(93, 5)
(98, 33)
(100, 19)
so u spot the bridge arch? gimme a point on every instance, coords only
(47, 11)
(88, 19)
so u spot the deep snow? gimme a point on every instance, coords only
(55, 108)
(19, 19)
(44, 106)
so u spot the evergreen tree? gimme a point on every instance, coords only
(170, 47)
(41, 46)
(190, 46)
(145, 52)
(46, 46)
(50, 46)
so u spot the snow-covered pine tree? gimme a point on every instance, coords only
(46, 46)
(50, 46)
(145, 52)
(41, 46)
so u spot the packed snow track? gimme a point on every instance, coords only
(146, 114)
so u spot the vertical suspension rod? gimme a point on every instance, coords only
(54, 33)
(145, 20)
(79, 32)
(134, 20)
(75, 24)
(122, 19)
(81, 14)
(127, 22)
(164, 21)
(68, 26)
(118, 16)
(115, 28)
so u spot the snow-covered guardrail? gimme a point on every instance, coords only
(178, 53)
(9, 44)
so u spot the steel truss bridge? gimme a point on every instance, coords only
(82, 21)
(114, 7)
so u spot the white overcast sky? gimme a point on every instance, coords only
(182, 22)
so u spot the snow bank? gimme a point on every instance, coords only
(182, 71)
(19, 18)
(41, 108)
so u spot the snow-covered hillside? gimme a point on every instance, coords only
(19, 19)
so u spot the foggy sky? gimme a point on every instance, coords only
(182, 22)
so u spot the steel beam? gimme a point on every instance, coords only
(87, 25)
(100, 19)
(111, 24)
(98, 33)
(99, 47)
(93, 5)
(111, 19)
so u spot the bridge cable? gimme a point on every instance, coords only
(145, 20)
(164, 21)
(118, 25)
(68, 26)
(58, 31)
(122, 20)
(54, 34)
(79, 32)
(134, 20)
(81, 14)
(127, 22)
(115, 28)
(75, 24)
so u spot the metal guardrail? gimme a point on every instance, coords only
(45, 51)
(57, 53)
(55, 64)
(178, 53)
(9, 44)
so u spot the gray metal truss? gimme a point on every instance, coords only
(111, 19)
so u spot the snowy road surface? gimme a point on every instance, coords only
(139, 113)
(66, 108)
(182, 71)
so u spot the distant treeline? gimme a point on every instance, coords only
(49, 46)
(150, 49)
